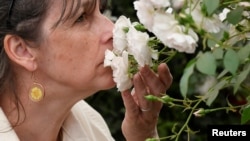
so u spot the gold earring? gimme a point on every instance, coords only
(36, 92)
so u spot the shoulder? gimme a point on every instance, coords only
(6, 131)
(83, 109)
(87, 123)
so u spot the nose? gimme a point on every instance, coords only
(106, 27)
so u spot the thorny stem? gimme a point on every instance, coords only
(188, 119)
(188, 106)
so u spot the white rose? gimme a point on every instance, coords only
(161, 3)
(109, 56)
(177, 4)
(182, 42)
(145, 12)
(211, 24)
(171, 34)
(119, 35)
(137, 46)
(223, 14)
(120, 68)
(163, 23)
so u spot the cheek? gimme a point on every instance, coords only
(67, 70)
(73, 60)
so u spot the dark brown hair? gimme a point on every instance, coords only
(24, 18)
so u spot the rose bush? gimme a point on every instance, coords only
(215, 32)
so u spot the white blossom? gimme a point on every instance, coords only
(223, 14)
(177, 4)
(210, 24)
(120, 67)
(137, 46)
(235, 35)
(163, 22)
(109, 56)
(182, 42)
(168, 30)
(160, 3)
(244, 4)
(145, 13)
(119, 35)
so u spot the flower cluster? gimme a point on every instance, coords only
(181, 25)
(131, 50)
(157, 17)
(215, 33)
(177, 22)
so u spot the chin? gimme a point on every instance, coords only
(104, 81)
(110, 84)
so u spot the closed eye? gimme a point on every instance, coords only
(81, 18)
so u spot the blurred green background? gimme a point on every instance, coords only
(109, 103)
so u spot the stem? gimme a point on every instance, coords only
(224, 108)
(231, 2)
(188, 119)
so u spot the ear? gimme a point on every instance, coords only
(19, 52)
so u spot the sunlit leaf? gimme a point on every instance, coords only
(223, 73)
(244, 53)
(211, 43)
(218, 53)
(212, 94)
(211, 6)
(241, 77)
(235, 15)
(231, 61)
(206, 63)
(188, 71)
(245, 115)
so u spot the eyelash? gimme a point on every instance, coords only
(81, 18)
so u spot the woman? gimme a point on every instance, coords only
(52, 54)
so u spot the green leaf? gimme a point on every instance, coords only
(241, 77)
(235, 15)
(231, 61)
(211, 43)
(212, 96)
(244, 53)
(218, 53)
(211, 6)
(206, 63)
(223, 73)
(245, 115)
(188, 71)
(213, 92)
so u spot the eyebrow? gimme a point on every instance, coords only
(68, 12)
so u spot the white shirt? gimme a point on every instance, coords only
(83, 124)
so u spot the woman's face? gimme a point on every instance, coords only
(72, 54)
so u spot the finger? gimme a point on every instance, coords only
(152, 81)
(165, 75)
(141, 91)
(134, 96)
(130, 104)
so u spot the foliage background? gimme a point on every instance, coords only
(110, 105)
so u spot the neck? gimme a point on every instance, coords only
(37, 121)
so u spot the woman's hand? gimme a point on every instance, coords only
(141, 115)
